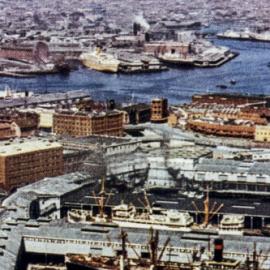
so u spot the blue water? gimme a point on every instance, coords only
(249, 69)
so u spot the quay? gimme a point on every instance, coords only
(51, 98)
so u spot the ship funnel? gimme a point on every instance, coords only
(218, 253)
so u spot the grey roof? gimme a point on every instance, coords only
(51, 186)
(233, 166)
(51, 97)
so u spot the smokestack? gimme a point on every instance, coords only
(218, 253)
(147, 37)
(136, 28)
(111, 104)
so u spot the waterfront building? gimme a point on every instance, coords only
(244, 130)
(45, 116)
(231, 99)
(23, 162)
(83, 124)
(137, 113)
(26, 121)
(262, 133)
(159, 110)
(233, 177)
(173, 120)
(9, 130)
(25, 53)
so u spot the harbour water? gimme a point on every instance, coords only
(250, 71)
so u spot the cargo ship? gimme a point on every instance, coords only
(153, 258)
(127, 216)
(195, 53)
(100, 61)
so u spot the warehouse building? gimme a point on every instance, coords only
(26, 161)
(83, 124)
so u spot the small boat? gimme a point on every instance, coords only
(222, 86)
(233, 82)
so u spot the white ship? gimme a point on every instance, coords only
(201, 53)
(246, 35)
(231, 34)
(157, 218)
(126, 216)
(263, 36)
(176, 58)
(100, 61)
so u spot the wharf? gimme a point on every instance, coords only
(15, 75)
(43, 99)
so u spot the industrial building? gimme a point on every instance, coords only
(26, 161)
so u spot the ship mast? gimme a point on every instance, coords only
(153, 245)
(209, 213)
(123, 256)
(100, 199)
(206, 208)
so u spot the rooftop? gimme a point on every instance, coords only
(233, 166)
(26, 146)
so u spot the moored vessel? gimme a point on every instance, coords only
(100, 61)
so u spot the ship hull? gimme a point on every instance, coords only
(109, 68)
(155, 226)
(81, 266)
(177, 62)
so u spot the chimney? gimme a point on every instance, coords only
(111, 104)
(147, 37)
(218, 253)
(135, 29)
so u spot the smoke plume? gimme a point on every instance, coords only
(139, 19)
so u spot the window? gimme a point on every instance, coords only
(201, 176)
(242, 178)
(223, 177)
